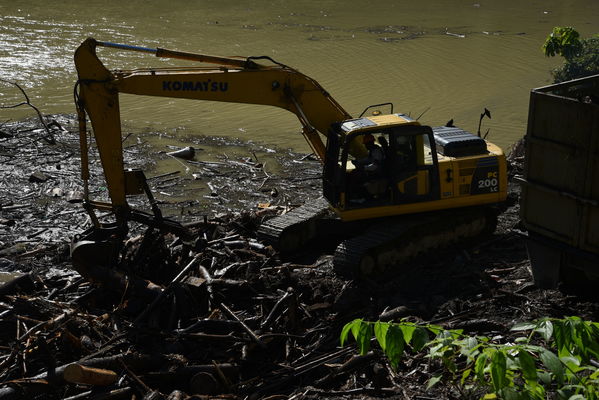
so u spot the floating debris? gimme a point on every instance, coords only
(186, 153)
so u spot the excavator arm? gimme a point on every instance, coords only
(231, 79)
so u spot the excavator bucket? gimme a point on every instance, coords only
(97, 247)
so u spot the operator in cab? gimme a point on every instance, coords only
(365, 181)
(373, 163)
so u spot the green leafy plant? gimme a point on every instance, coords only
(558, 355)
(563, 41)
(581, 55)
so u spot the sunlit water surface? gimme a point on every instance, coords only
(439, 58)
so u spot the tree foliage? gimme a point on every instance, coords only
(581, 55)
(563, 41)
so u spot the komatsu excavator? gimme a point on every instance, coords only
(426, 188)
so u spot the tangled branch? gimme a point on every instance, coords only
(49, 138)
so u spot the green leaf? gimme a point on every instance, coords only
(580, 342)
(509, 393)
(479, 367)
(465, 375)
(512, 362)
(553, 364)
(395, 344)
(456, 333)
(408, 331)
(524, 326)
(449, 363)
(355, 328)
(534, 391)
(364, 336)
(469, 347)
(561, 335)
(571, 362)
(380, 332)
(419, 338)
(435, 349)
(347, 328)
(571, 392)
(433, 381)
(545, 328)
(498, 370)
(545, 377)
(527, 364)
(445, 334)
(435, 329)
(590, 338)
(533, 348)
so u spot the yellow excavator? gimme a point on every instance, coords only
(397, 188)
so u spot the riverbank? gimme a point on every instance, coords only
(241, 322)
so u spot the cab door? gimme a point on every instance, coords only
(412, 165)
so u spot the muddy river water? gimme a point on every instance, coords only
(440, 58)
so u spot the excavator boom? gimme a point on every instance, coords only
(235, 80)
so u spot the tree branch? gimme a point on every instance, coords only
(49, 138)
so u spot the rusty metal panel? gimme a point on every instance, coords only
(560, 120)
(589, 240)
(560, 197)
(556, 165)
(550, 214)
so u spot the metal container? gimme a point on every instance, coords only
(560, 190)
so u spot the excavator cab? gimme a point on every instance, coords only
(398, 164)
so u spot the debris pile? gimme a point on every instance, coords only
(219, 314)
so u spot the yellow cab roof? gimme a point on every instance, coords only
(377, 121)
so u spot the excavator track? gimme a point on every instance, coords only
(385, 246)
(376, 247)
(291, 231)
